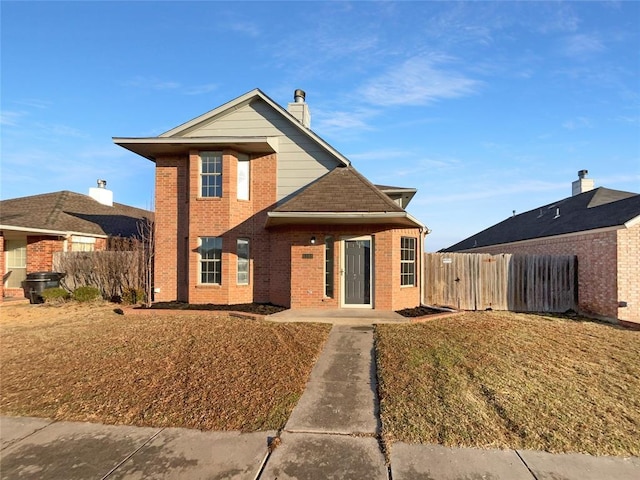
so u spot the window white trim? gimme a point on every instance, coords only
(210, 264)
(408, 261)
(243, 272)
(210, 170)
(244, 176)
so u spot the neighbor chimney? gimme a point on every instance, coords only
(583, 184)
(101, 194)
(299, 109)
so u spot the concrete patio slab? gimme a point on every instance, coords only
(72, 450)
(576, 466)
(435, 462)
(178, 453)
(305, 456)
(13, 429)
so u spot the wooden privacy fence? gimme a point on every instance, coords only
(521, 283)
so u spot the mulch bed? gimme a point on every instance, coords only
(257, 308)
(419, 312)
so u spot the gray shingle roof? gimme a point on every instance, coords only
(71, 212)
(342, 189)
(598, 208)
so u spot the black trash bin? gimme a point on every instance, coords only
(37, 282)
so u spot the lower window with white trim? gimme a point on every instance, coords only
(242, 250)
(210, 251)
(407, 261)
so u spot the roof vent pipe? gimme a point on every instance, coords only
(102, 183)
(299, 96)
(582, 173)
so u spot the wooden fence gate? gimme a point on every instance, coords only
(521, 283)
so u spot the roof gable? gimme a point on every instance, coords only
(69, 212)
(187, 129)
(595, 209)
(342, 189)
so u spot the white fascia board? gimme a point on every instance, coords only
(43, 231)
(151, 147)
(633, 222)
(427, 231)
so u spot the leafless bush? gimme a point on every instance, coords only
(126, 265)
(113, 271)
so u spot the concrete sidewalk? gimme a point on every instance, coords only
(331, 434)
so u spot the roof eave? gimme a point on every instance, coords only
(44, 231)
(343, 218)
(153, 147)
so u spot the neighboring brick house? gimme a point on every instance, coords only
(600, 226)
(33, 228)
(253, 206)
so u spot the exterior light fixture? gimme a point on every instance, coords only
(313, 240)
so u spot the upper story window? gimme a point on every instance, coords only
(211, 174)
(243, 176)
(407, 261)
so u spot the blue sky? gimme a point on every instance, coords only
(484, 107)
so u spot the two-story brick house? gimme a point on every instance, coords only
(253, 206)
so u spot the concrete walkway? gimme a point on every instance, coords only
(331, 434)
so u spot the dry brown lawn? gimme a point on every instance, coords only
(506, 380)
(86, 363)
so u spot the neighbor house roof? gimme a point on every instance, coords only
(595, 209)
(341, 196)
(173, 141)
(64, 213)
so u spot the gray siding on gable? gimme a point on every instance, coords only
(300, 159)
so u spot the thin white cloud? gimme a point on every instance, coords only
(10, 118)
(200, 89)
(340, 122)
(581, 45)
(384, 155)
(34, 103)
(578, 122)
(151, 83)
(245, 28)
(418, 81)
(486, 192)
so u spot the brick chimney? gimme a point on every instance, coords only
(583, 184)
(299, 109)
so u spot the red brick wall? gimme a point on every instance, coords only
(597, 266)
(629, 273)
(171, 223)
(278, 273)
(302, 284)
(40, 252)
(182, 217)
